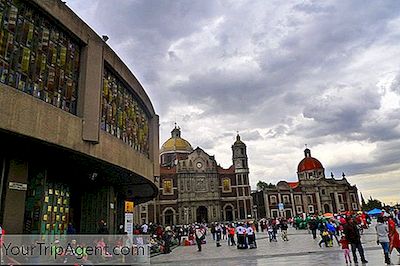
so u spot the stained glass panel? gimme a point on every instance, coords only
(36, 56)
(122, 114)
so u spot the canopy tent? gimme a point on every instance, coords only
(328, 215)
(375, 211)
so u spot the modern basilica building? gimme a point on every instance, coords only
(194, 188)
(313, 193)
(78, 133)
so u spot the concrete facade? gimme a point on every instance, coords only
(47, 132)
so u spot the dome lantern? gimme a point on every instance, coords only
(308, 163)
(176, 144)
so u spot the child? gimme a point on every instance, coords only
(345, 246)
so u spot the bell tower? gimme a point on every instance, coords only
(239, 156)
(240, 161)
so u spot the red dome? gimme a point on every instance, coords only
(309, 163)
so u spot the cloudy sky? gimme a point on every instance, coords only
(282, 73)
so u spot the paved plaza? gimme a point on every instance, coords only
(301, 249)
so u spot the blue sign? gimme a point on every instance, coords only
(281, 206)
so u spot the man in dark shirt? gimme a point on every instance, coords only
(353, 236)
(312, 224)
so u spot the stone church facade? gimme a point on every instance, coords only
(193, 187)
(313, 193)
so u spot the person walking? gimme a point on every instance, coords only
(284, 228)
(313, 226)
(382, 233)
(200, 234)
(393, 236)
(325, 238)
(167, 238)
(218, 232)
(271, 232)
(332, 231)
(251, 237)
(275, 224)
(231, 236)
(352, 233)
(213, 230)
(224, 231)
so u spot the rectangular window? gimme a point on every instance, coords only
(355, 207)
(167, 187)
(323, 191)
(226, 185)
(286, 199)
(274, 213)
(310, 199)
(297, 199)
(239, 178)
(353, 197)
(273, 199)
(340, 198)
(299, 209)
(341, 206)
(310, 208)
(38, 57)
(244, 179)
(122, 115)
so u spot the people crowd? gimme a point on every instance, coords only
(343, 230)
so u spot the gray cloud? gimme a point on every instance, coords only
(282, 73)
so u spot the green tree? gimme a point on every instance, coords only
(261, 185)
(372, 204)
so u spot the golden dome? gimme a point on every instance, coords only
(176, 143)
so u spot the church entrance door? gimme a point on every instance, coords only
(169, 217)
(228, 214)
(327, 208)
(202, 214)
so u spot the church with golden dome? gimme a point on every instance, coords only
(313, 193)
(193, 187)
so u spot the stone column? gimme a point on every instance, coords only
(349, 207)
(318, 197)
(305, 202)
(266, 203)
(280, 201)
(336, 202)
(245, 207)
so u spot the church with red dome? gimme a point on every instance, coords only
(313, 193)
